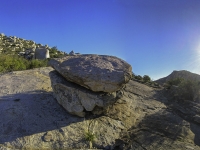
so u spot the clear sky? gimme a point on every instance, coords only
(154, 36)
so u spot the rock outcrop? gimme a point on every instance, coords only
(95, 72)
(88, 82)
(42, 53)
(141, 118)
(76, 99)
(71, 53)
(26, 48)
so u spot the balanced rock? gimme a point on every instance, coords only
(95, 72)
(77, 99)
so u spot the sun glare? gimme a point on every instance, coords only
(194, 64)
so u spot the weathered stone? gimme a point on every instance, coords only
(48, 137)
(95, 72)
(41, 53)
(77, 99)
(72, 53)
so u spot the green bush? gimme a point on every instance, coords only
(35, 63)
(146, 78)
(184, 89)
(175, 81)
(89, 136)
(187, 90)
(14, 62)
(138, 77)
(55, 53)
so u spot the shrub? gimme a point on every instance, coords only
(187, 90)
(35, 63)
(138, 77)
(89, 134)
(172, 82)
(14, 62)
(184, 89)
(55, 53)
(146, 78)
(175, 81)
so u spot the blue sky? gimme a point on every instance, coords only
(154, 36)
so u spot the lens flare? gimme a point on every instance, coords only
(194, 63)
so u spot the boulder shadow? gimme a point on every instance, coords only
(186, 109)
(32, 112)
(162, 130)
(183, 109)
(166, 128)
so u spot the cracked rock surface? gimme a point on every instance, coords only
(142, 118)
(99, 73)
(77, 99)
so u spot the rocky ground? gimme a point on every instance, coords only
(143, 118)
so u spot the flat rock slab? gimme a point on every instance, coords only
(32, 119)
(95, 72)
(77, 99)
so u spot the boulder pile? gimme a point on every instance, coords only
(88, 82)
(41, 52)
(29, 49)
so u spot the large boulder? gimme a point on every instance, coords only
(77, 99)
(95, 72)
(41, 53)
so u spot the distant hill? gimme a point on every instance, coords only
(179, 74)
(14, 45)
